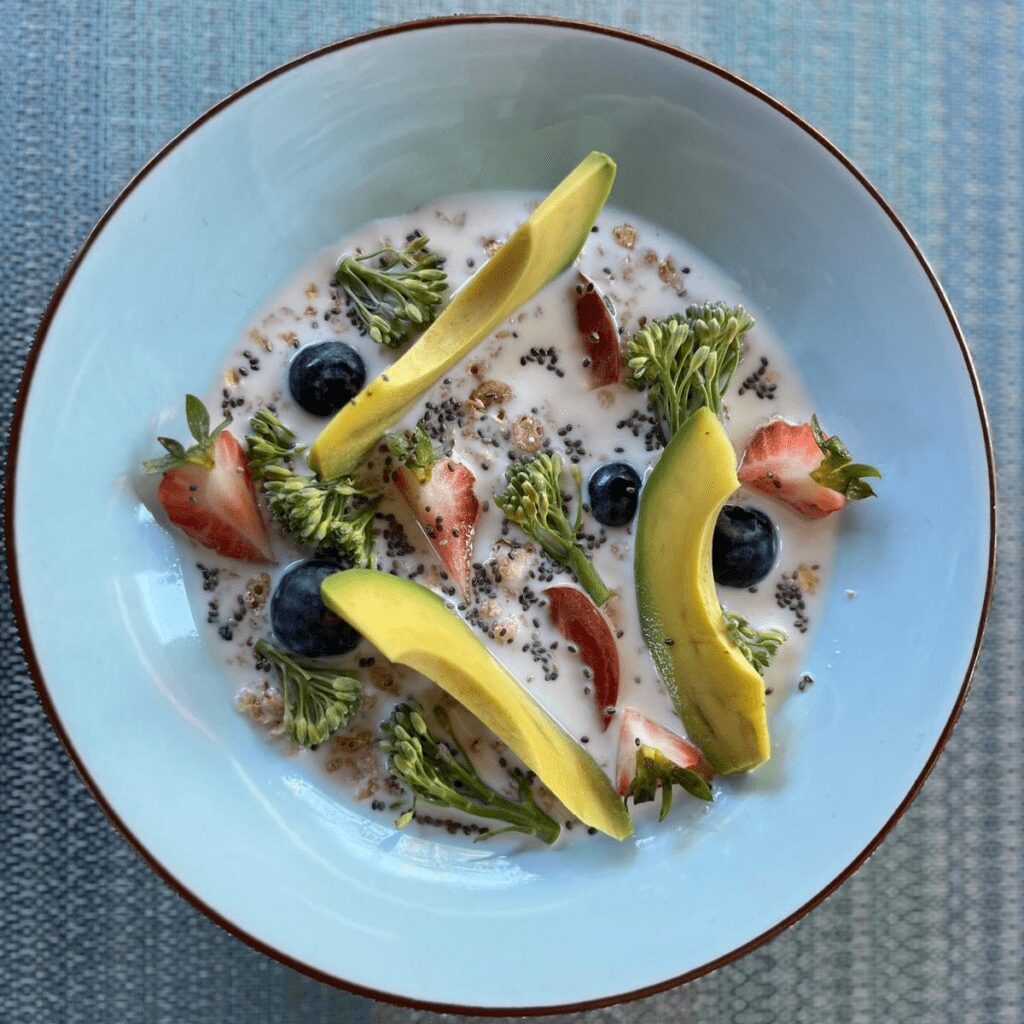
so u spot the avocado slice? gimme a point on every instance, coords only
(717, 693)
(411, 625)
(541, 248)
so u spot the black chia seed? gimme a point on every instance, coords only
(756, 382)
(789, 596)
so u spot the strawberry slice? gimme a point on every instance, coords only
(650, 757)
(639, 731)
(208, 492)
(779, 461)
(599, 333)
(802, 466)
(580, 621)
(439, 493)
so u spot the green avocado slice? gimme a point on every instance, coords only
(717, 693)
(541, 248)
(411, 625)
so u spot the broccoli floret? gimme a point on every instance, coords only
(653, 768)
(532, 499)
(686, 362)
(318, 701)
(270, 443)
(393, 292)
(758, 646)
(438, 771)
(333, 516)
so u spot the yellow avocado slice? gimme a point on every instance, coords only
(717, 693)
(411, 625)
(537, 251)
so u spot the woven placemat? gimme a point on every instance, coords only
(927, 98)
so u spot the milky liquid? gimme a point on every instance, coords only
(657, 276)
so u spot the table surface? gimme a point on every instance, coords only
(927, 98)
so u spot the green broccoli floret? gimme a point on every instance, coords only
(398, 294)
(438, 771)
(686, 362)
(318, 701)
(653, 768)
(269, 442)
(532, 499)
(758, 646)
(333, 516)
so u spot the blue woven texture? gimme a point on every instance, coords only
(927, 99)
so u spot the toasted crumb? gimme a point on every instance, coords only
(490, 609)
(257, 592)
(490, 392)
(312, 291)
(505, 631)
(605, 397)
(625, 235)
(527, 433)
(513, 566)
(807, 578)
(491, 245)
(668, 273)
(650, 257)
(260, 338)
(231, 377)
(350, 742)
(383, 678)
(264, 705)
(290, 338)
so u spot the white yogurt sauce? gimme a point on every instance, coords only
(658, 275)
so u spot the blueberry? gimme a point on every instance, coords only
(614, 491)
(744, 546)
(300, 619)
(324, 377)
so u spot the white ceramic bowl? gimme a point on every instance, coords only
(374, 126)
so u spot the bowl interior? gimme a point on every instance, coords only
(375, 128)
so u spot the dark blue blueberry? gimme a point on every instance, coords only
(300, 619)
(614, 491)
(744, 546)
(324, 377)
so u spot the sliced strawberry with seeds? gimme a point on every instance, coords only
(637, 732)
(799, 464)
(581, 622)
(208, 492)
(439, 493)
(599, 333)
(779, 461)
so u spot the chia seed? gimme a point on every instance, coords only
(757, 383)
(789, 596)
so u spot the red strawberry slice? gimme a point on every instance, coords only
(779, 461)
(599, 333)
(446, 508)
(640, 731)
(217, 506)
(580, 621)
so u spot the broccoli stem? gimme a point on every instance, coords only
(585, 572)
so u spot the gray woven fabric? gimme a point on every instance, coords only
(927, 98)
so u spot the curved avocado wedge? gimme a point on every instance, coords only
(411, 625)
(717, 693)
(541, 248)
